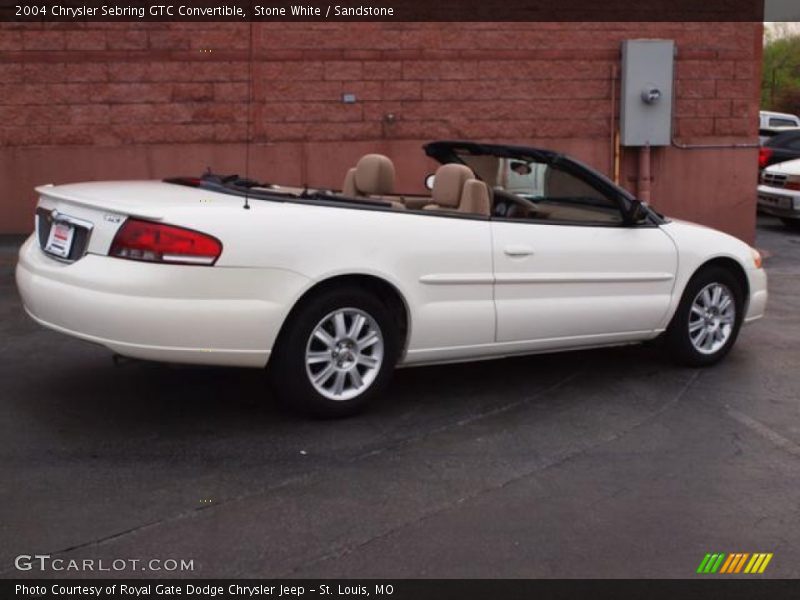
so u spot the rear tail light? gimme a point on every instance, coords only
(156, 242)
(764, 154)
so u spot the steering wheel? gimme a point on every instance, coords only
(511, 206)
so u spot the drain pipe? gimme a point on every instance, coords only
(613, 141)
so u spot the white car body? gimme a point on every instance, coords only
(779, 191)
(472, 288)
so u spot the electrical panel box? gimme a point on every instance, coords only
(646, 96)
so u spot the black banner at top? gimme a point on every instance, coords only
(396, 10)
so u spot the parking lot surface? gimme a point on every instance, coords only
(605, 463)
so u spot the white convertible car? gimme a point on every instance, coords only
(515, 251)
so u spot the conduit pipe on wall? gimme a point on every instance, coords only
(643, 183)
(613, 154)
(681, 146)
(644, 155)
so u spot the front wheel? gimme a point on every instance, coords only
(708, 318)
(336, 354)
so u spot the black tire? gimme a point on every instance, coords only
(677, 339)
(791, 223)
(289, 374)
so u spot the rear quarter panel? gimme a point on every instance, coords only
(442, 266)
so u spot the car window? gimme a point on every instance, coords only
(537, 191)
(780, 122)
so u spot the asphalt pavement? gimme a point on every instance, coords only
(604, 463)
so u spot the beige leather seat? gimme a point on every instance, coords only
(372, 179)
(456, 189)
(373, 175)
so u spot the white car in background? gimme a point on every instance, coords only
(779, 192)
(515, 251)
(768, 119)
(772, 123)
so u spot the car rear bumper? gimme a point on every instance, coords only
(171, 313)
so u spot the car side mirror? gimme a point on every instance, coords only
(429, 181)
(637, 212)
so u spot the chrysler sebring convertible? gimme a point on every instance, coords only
(514, 251)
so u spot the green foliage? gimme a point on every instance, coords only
(780, 82)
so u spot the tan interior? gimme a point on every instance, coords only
(455, 188)
(372, 179)
(373, 175)
(448, 185)
(475, 198)
(349, 185)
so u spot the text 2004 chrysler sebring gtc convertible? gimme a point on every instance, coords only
(516, 250)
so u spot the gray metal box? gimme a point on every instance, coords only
(646, 102)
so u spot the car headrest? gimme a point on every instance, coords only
(349, 185)
(448, 184)
(374, 175)
(475, 198)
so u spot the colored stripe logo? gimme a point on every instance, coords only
(737, 562)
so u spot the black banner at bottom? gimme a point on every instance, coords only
(402, 589)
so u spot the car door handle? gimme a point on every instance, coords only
(518, 250)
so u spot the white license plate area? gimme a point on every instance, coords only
(59, 242)
(777, 201)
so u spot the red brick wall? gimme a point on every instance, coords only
(105, 100)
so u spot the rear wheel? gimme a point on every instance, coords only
(336, 353)
(708, 318)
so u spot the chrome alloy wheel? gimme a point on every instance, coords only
(344, 354)
(711, 318)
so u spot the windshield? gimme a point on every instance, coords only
(544, 187)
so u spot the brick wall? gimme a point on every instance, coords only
(92, 101)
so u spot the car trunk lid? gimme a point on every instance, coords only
(75, 219)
